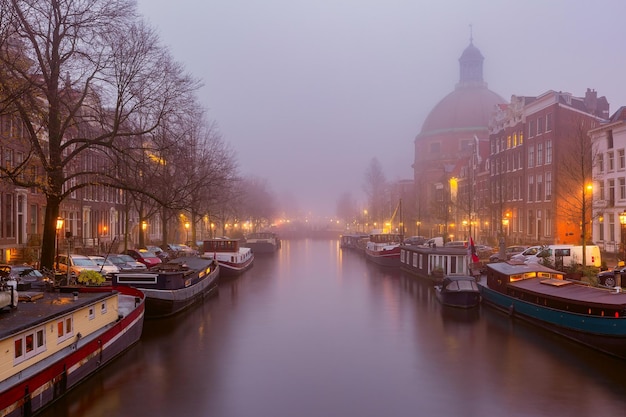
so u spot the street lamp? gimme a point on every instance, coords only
(187, 226)
(59, 226)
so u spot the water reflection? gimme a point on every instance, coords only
(316, 330)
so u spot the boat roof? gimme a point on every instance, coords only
(45, 307)
(571, 291)
(459, 277)
(512, 268)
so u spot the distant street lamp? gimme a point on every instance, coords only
(187, 226)
(59, 226)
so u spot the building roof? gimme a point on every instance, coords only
(471, 103)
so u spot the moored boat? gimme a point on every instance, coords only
(593, 316)
(458, 291)
(50, 345)
(171, 287)
(233, 258)
(384, 248)
(351, 241)
(263, 242)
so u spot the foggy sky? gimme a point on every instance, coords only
(307, 92)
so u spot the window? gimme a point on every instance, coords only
(65, 329)
(103, 307)
(612, 192)
(601, 193)
(548, 122)
(548, 223)
(539, 154)
(531, 156)
(611, 217)
(539, 187)
(622, 188)
(29, 344)
(621, 161)
(531, 188)
(611, 161)
(539, 125)
(521, 137)
(600, 163)
(609, 139)
(601, 227)
(548, 186)
(532, 127)
(548, 151)
(92, 313)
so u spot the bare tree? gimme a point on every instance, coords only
(81, 75)
(376, 190)
(574, 161)
(347, 208)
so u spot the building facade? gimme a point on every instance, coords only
(540, 167)
(609, 179)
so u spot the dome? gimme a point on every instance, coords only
(471, 103)
(465, 108)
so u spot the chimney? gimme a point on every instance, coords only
(591, 101)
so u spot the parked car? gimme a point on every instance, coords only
(146, 257)
(107, 268)
(178, 249)
(608, 279)
(126, 263)
(160, 253)
(26, 275)
(509, 252)
(75, 263)
(415, 240)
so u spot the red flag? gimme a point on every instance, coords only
(471, 251)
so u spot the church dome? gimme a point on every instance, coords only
(470, 105)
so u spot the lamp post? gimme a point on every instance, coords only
(59, 226)
(187, 226)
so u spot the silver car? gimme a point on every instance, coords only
(127, 263)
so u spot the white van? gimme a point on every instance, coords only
(434, 242)
(562, 255)
(592, 253)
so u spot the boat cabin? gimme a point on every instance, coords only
(221, 245)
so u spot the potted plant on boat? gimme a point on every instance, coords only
(92, 278)
(437, 272)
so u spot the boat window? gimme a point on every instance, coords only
(28, 345)
(65, 329)
(516, 277)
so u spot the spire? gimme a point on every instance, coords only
(471, 63)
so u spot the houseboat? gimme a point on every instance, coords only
(263, 242)
(593, 316)
(384, 248)
(48, 346)
(172, 286)
(434, 262)
(233, 258)
(351, 241)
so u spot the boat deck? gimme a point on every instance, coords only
(50, 305)
(571, 291)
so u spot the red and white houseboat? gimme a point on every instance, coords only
(233, 258)
(384, 248)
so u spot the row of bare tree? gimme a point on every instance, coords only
(89, 80)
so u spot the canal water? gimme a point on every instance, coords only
(317, 331)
